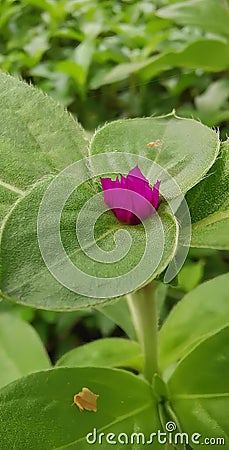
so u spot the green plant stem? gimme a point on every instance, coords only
(143, 308)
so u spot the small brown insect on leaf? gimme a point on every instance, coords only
(86, 400)
(156, 143)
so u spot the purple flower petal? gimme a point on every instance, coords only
(131, 198)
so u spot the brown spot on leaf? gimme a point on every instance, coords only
(86, 400)
(156, 143)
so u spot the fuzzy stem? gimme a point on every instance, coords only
(143, 308)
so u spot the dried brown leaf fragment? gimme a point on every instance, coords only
(86, 399)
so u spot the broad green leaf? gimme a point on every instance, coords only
(209, 205)
(110, 352)
(119, 313)
(47, 418)
(35, 141)
(211, 16)
(25, 276)
(50, 140)
(23, 271)
(21, 351)
(200, 313)
(199, 389)
(179, 153)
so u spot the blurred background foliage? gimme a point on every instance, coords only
(106, 60)
(122, 58)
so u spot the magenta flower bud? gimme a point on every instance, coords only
(135, 199)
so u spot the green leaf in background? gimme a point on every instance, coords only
(212, 104)
(190, 275)
(201, 313)
(27, 314)
(21, 350)
(47, 419)
(110, 352)
(214, 97)
(194, 55)
(209, 205)
(78, 67)
(211, 16)
(201, 401)
(119, 313)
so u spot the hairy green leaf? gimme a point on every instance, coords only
(187, 148)
(38, 138)
(50, 141)
(47, 418)
(25, 276)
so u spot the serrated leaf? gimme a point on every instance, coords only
(21, 351)
(199, 314)
(47, 418)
